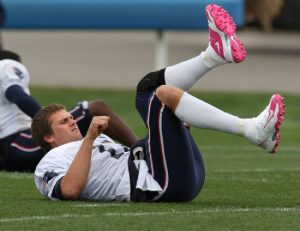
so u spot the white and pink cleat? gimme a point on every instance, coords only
(225, 47)
(223, 42)
(264, 130)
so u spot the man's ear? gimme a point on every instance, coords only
(48, 138)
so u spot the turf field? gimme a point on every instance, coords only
(245, 189)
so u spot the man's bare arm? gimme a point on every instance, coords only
(75, 179)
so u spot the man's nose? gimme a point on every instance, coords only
(72, 122)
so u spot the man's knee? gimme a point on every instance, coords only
(151, 81)
(169, 95)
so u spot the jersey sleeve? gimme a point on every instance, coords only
(46, 182)
(48, 174)
(14, 73)
(25, 102)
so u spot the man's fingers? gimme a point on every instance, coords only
(97, 126)
(101, 122)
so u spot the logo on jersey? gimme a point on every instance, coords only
(19, 73)
(49, 175)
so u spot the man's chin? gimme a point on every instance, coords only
(78, 137)
(77, 134)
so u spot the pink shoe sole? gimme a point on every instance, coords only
(278, 99)
(225, 24)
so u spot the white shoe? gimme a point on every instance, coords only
(264, 130)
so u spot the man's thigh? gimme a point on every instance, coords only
(170, 151)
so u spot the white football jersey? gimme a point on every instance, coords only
(12, 119)
(108, 177)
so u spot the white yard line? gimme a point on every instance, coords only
(217, 210)
(35, 218)
(246, 148)
(135, 214)
(89, 205)
(256, 170)
(17, 175)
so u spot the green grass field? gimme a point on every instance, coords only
(245, 189)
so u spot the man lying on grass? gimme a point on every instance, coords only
(166, 165)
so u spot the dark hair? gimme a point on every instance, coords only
(4, 54)
(41, 124)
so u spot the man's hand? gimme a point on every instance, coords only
(97, 126)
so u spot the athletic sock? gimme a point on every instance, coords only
(200, 114)
(212, 59)
(185, 74)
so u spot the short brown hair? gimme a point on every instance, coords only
(41, 124)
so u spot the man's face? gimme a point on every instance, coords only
(64, 129)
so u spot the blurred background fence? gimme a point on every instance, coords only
(113, 43)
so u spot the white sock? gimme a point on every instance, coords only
(200, 114)
(184, 75)
(212, 59)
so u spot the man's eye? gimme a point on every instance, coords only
(64, 121)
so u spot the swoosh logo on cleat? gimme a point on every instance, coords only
(218, 48)
(271, 115)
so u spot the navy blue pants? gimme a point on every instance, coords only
(171, 153)
(21, 152)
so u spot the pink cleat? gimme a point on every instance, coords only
(223, 40)
(264, 130)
